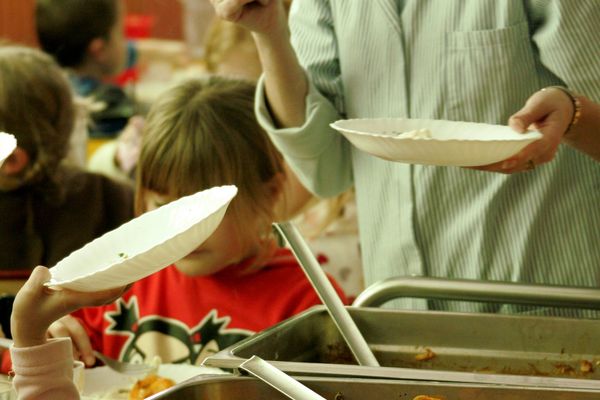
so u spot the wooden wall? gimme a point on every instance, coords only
(167, 16)
(16, 18)
(16, 21)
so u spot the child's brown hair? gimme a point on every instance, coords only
(204, 133)
(36, 106)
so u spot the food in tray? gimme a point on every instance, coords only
(428, 354)
(424, 397)
(107, 384)
(586, 366)
(148, 386)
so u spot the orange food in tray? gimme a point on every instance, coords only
(149, 386)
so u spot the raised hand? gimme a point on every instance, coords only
(260, 16)
(36, 307)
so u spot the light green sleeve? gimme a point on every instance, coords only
(320, 156)
(567, 35)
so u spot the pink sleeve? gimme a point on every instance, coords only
(45, 371)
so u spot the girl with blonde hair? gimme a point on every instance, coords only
(47, 209)
(201, 134)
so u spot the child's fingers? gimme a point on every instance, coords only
(72, 328)
(76, 300)
(38, 277)
(33, 289)
(58, 329)
(29, 320)
(106, 296)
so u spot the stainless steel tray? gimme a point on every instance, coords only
(233, 388)
(468, 347)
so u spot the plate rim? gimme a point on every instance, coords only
(529, 135)
(53, 283)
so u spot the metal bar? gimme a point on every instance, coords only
(355, 340)
(473, 290)
(337, 370)
(278, 379)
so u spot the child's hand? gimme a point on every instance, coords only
(37, 306)
(129, 144)
(70, 327)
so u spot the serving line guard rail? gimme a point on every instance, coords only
(471, 290)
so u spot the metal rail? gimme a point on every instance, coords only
(474, 290)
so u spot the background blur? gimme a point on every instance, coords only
(16, 18)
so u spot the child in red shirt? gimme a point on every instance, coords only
(201, 134)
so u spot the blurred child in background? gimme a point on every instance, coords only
(87, 38)
(48, 209)
(200, 134)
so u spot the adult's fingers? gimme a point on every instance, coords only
(534, 111)
(230, 10)
(526, 160)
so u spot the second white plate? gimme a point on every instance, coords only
(145, 244)
(102, 383)
(451, 143)
(8, 143)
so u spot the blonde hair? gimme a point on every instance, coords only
(203, 133)
(230, 50)
(228, 43)
(222, 38)
(36, 106)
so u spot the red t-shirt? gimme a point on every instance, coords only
(184, 319)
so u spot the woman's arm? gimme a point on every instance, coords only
(585, 136)
(295, 106)
(285, 82)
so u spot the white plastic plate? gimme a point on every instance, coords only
(451, 143)
(145, 244)
(8, 143)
